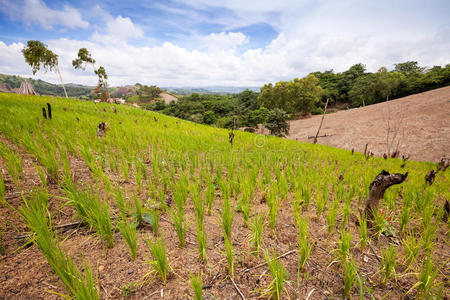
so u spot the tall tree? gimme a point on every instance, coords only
(85, 58)
(38, 56)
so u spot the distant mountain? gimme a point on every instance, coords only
(211, 89)
(10, 82)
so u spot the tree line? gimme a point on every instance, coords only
(276, 103)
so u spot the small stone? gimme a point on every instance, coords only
(130, 271)
(101, 268)
(365, 258)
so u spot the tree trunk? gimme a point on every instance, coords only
(377, 188)
(62, 83)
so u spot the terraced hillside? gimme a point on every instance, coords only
(156, 207)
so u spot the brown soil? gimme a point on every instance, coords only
(421, 121)
(167, 98)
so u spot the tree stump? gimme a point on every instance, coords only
(231, 137)
(49, 109)
(429, 178)
(377, 188)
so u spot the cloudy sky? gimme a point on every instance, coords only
(220, 42)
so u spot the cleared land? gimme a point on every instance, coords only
(424, 130)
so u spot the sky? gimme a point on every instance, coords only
(218, 42)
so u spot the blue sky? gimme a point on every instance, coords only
(239, 43)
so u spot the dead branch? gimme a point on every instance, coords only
(377, 188)
(265, 263)
(321, 121)
(236, 287)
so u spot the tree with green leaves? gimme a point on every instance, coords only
(83, 59)
(276, 123)
(38, 56)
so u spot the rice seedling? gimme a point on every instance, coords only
(80, 286)
(91, 210)
(197, 286)
(2, 191)
(120, 202)
(350, 274)
(321, 202)
(388, 262)
(227, 216)
(428, 237)
(411, 247)
(229, 255)
(363, 232)
(129, 233)
(304, 244)
(344, 245)
(159, 260)
(180, 226)
(279, 276)
(257, 231)
(331, 216)
(425, 284)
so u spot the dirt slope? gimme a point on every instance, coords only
(167, 98)
(424, 130)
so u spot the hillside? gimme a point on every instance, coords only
(135, 207)
(42, 87)
(423, 122)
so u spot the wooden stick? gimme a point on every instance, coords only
(265, 263)
(237, 289)
(321, 121)
(309, 294)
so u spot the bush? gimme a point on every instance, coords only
(276, 123)
(209, 117)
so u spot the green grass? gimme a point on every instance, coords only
(161, 161)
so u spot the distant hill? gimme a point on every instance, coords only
(211, 89)
(10, 82)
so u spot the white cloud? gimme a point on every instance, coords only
(332, 36)
(36, 12)
(118, 30)
(217, 42)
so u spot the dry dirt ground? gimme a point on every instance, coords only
(168, 98)
(421, 123)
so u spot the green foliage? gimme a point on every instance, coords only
(276, 123)
(298, 95)
(38, 56)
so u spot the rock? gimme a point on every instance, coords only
(101, 268)
(130, 271)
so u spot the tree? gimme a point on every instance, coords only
(298, 95)
(38, 56)
(305, 93)
(276, 123)
(84, 58)
(209, 117)
(408, 68)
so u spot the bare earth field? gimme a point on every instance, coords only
(423, 122)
